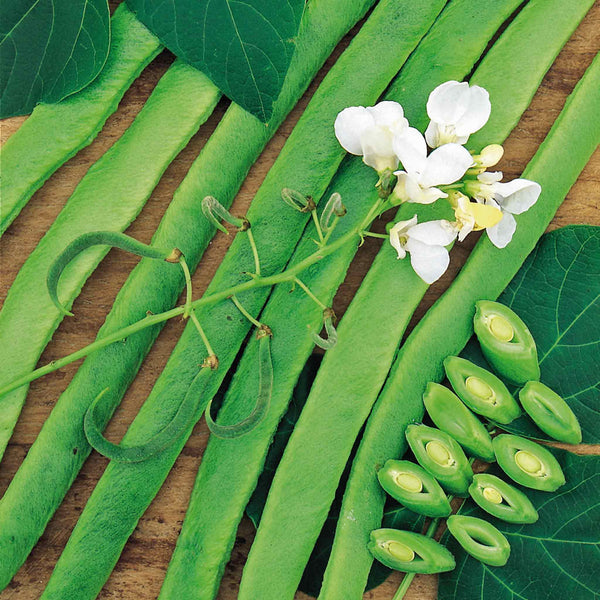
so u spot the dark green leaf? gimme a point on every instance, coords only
(49, 50)
(556, 558)
(557, 294)
(244, 46)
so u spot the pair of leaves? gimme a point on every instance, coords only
(556, 557)
(49, 49)
(244, 46)
(557, 294)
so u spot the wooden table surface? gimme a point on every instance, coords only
(139, 572)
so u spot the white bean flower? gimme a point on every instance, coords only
(456, 111)
(422, 174)
(426, 243)
(512, 198)
(369, 132)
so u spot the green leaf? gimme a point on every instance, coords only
(49, 50)
(557, 557)
(557, 294)
(244, 46)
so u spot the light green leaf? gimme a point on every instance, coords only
(49, 49)
(556, 558)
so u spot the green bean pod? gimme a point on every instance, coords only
(528, 463)
(452, 416)
(263, 400)
(550, 412)
(414, 487)
(410, 552)
(163, 439)
(501, 499)
(480, 539)
(439, 454)
(331, 340)
(506, 342)
(115, 239)
(481, 391)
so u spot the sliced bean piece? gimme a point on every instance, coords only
(528, 463)
(480, 390)
(414, 487)
(501, 499)
(439, 454)
(506, 342)
(550, 412)
(452, 416)
(110, 196)
(480, 539)
(35, 150)
(556, 168)
(219, 498)
(61, 447)
(410, 552)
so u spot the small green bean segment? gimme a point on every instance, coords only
(506, 342)
(501, 499)
(115, 239)
(410, 552)
(414, 487)
(439, 454)
(452, 416)
(480, 539)
(528, 463)
(550, 412)
(481, 391)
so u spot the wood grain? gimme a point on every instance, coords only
(139, 572)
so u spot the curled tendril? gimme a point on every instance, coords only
(334, 208)
(102, 238)
(331, 340)
(297, 200)
(166, 437)
(215, 212)
(263, 400)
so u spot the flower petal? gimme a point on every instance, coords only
(445, 165)
(350, 124)
(377, 149)
(420, 195)
(518, 195)
(433, 233)
(429, 262)
(390, 115)
(501, 234)
(400, 228)
(477, 112)
(411, 150)
(448, 102)
(490, 177)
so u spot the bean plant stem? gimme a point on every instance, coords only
(188, 288)
(202, 333)
(149, 320)
(254, 251)
(372, 234)
(241, 308)
(309, 293)
(315, 218)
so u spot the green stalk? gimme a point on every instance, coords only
(303, 487)
(230, 468)
(56, 132)
(556, 166)
(110, 196)
(61, 448)
(125, 490)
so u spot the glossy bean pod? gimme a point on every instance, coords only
(506, 342)
(481, 391)
(550, 412)
(410, 552)
(414, 487)
(480, 539)
(501, 499)
(528, 463)
(452, 416)
(439, 454)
